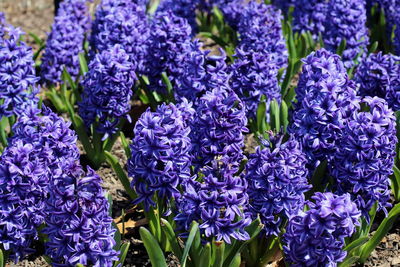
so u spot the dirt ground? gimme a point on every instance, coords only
(36, 16)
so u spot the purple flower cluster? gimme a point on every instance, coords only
(310, 16)
(2, 24)
(217, 204)
(169, 40)
(78, 225)
(379, 75)
(125, 23)
(231, 9)
(65, 41)
(17, 72)
(277, 178)
(325, 99)
(346, 20)
(201, 73)
(218, 128)
(78, 11)
(160, 159)
(365, 157)
(107, 90)
(40, 149)
(260, 30)
(254, 75)
(396, 40)
(316, 237)
(182, 8)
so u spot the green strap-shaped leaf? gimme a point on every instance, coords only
(253, 230)
(113, 161)
(349, 261)
(153, 249)
(284, 116)
(122, 254)
(275, 114)
(205, 256)
(382, 230)
(170, 234)
(356, 243)
(125, 144)
(341, 47)
(189, 242)
(395, 182)
(83, 64)
(219, 253)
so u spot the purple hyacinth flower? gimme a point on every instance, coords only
(218, 128)
(379, 75)
(254, 75)
(316, 237)
(125, 23)
(78, 224)
(310, 16)
(107, 90)
(277, 178)
(346, 20)
(260, 30)
(217, 204)
(17, 72)
(325, 100)
(365, 157)
(160, 159)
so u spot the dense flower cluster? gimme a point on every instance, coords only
(231, 9)
(78, 225)
(107, 90)
(346, 20)
(397, 35)
(254, 75)
(365, 156)
(17, 72)
(218, 127)
(326, 98)
(260, 30)
(160, 159)
(379, 75)
(78, 11)
(168, 42)
(63, 46)
(201, 72)
(277, 178)
(217, 204)
(310, 16)
(125, 23)
(182, 8)
(40, 148)
(2, 24)
(316, 237)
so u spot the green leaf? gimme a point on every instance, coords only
(122, 254)
(39, 42)
(168, 84)
(341, 47)
(253, 230)
(395, 182)
(290, 96)
(349, 261)
(153, 248)
(189, 241)
(83, 64)
(196, 248)
(356, 243)
(80, 129)
(113, 161)
(47, 259)
(284, 116)
(66, 77)
(205, 256)
(373, 47)
(79, 265)
(117, 237)
(382, 230)
(125, 144)
(170, 234)
(219, 253)
(274, 111)
(2, 262)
